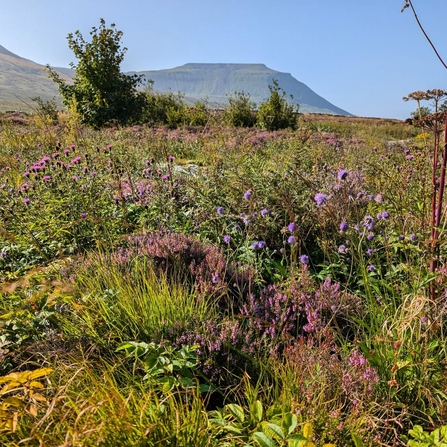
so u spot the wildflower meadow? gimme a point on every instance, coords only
(221, 286)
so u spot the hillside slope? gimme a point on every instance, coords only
(215, 81)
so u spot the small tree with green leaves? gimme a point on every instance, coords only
(277, 112)
(99, 90)
(240, 111)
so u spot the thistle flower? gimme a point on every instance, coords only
(304, 259)
(264, 212)
(342, 174)
(344, 227)
(171, 159)
(248, 194)
(320, 199)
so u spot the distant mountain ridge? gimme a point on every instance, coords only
(216, 81)
(22, 79)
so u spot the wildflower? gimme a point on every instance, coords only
(370, 236)
(26, 174)
(368, 223)
(3, 254)
(258, 245)
(291, 227)
(370, 251)
(72, 147)
(171, 159)
(215, 278)
(227, 238)
(342, 249)
(401, 237)
(220, 210)
(83, 215)
(46, 178)
(291, 239)
(26, 200)
(165, 177)
(342, 174)
(413, 237)
(304, 259)
(344, 227)
(410, 157)
(320, 199)
(264, 212)
(248, 194)
(378, 198)
(371, 268)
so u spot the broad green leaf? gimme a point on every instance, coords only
(236, 411)
(290, 422)
(257, 411)
(263, 440)
(273, 430)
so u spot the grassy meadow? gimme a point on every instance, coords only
(219, 286)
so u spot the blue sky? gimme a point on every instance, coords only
(361, 55)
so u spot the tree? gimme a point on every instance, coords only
(240, 111)
(276, 112)
(100, 93)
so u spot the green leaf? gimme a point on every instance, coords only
(357, 441)
(257, 411)
(236, 411)
(289, 423)
(263, 440)
(273, 430)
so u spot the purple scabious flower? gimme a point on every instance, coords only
(220, 210)
(370, 251)
(264, 212)
(291, 239)
(413, 237)
(320, 199)
(248, 194)
(291, 227)
(258, 245)
(344, 227)
(371, 268)
(342, 249)
(342, 174)
(215, 278)
(370, 236)
(304, 259)
(368, 223)
(227, 238)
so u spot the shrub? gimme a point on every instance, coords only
(240, 111)
(276, 112)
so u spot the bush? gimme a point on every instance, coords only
(277, 113)
(240, 111)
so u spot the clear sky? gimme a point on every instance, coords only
(361, 55)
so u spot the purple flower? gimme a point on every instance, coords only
(370, 251)
(248, 194)
(344, 227)
(83, 215)
(304, 259)
(320, 199)
(26, 200)
(258, 245)
(171, 159)
(383, 215)
(291, 239)
(401, 237)
(368, 223)
(413, 237)
(370, 236)
(264, 212)
(371, 268)
(46, 178)
(215, 278)
(342, 174)
(227, 238)
(342, 249)
(378, 198)
(165, 177)
(220, 210)
(410, 157)
(291, 227)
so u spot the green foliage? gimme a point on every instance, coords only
(100, 91)
(166, 368)
(46, 109)
(163, 108)
(240, 112)
(276, 112)
(422, 438)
